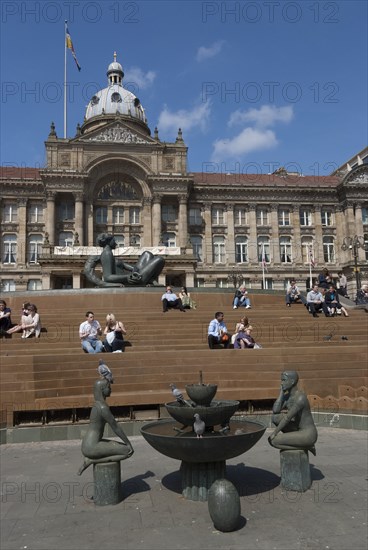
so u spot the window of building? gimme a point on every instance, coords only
(284, 216)
(34, 248)
(118, 215)
(268, 284)
(285, 250)
(241, 250)
(328, 249)
(35, 213)
(8, 285)
(197, 243)
(34, 284)
(66, 238)
(222, 283)
(365, 216)
(134, 215)
(195, 216)
(199, 282)
(10, 213)
(101, 215)
(9, 249)
(307, 250)
(263, 249)
(135, 240)
(217, 215)
(169, 239)
(305, 216)
(240, 216)
(219, 250)
(65, 210)
(366, 245)
(262, 216)
(326, 217)
(169, 213)
(119, 239)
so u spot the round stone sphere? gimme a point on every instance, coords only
(224, 505)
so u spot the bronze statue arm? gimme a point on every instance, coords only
(279, 403)
(116, 428)
(292, 412)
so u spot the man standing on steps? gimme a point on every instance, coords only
(170, 300)
(217, 331)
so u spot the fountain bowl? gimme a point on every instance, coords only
(219, 412)
(212, 447)
(201, 394)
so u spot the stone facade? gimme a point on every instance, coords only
(114, 176)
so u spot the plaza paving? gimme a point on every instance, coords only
(45, 505)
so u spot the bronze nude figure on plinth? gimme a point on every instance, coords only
(116, 273)
(95, 448)
(295, 428)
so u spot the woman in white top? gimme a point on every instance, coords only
(114, 330)
(29, 324)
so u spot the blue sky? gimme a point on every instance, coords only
(254, 85)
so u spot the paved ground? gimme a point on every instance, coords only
(45, 505)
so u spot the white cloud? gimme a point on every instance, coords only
(267, 115)
(204, 53)
(184, 118)
(136, 77)
(250, 139)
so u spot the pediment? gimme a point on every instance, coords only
(359, 175)
(116, 133)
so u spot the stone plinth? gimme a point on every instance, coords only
(295, 470)
(107, 481)
(197, 478)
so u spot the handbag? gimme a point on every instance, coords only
(225, 338)
(110, 337)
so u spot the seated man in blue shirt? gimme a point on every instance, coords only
(170, 300)
(217, 331)
(316, 302)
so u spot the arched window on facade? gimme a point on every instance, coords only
(197, 243)
(328, 249)
(241, 249)
(307, 250)
(9, 249)
(169, 239)
(219, 250)
(66, 238)
(34, 284)
(285, 250)
(263, 244)
(120, 240)
(34, 248)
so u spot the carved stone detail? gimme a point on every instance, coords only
(117, 135)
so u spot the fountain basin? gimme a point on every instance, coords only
(212, 447)
(201, 394)
(219, 412)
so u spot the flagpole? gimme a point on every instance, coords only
(65, 25)
(263, 267)
(310, 267)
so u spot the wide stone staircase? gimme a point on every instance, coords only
(50, 379)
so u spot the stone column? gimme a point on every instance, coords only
(340, 234)
(253, 248)
(275, 236)
(90, 224)
(183, 221)
(22, 232)
(207, 248)
(297, 245)
(76, 280)
(79, 218)
(230, 242)
(147, 216)
(318, 237)
(50, 216)
(350, 220)
(359, 231)
(156, 219)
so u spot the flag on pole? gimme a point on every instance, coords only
(311, 259)
(69, 44)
